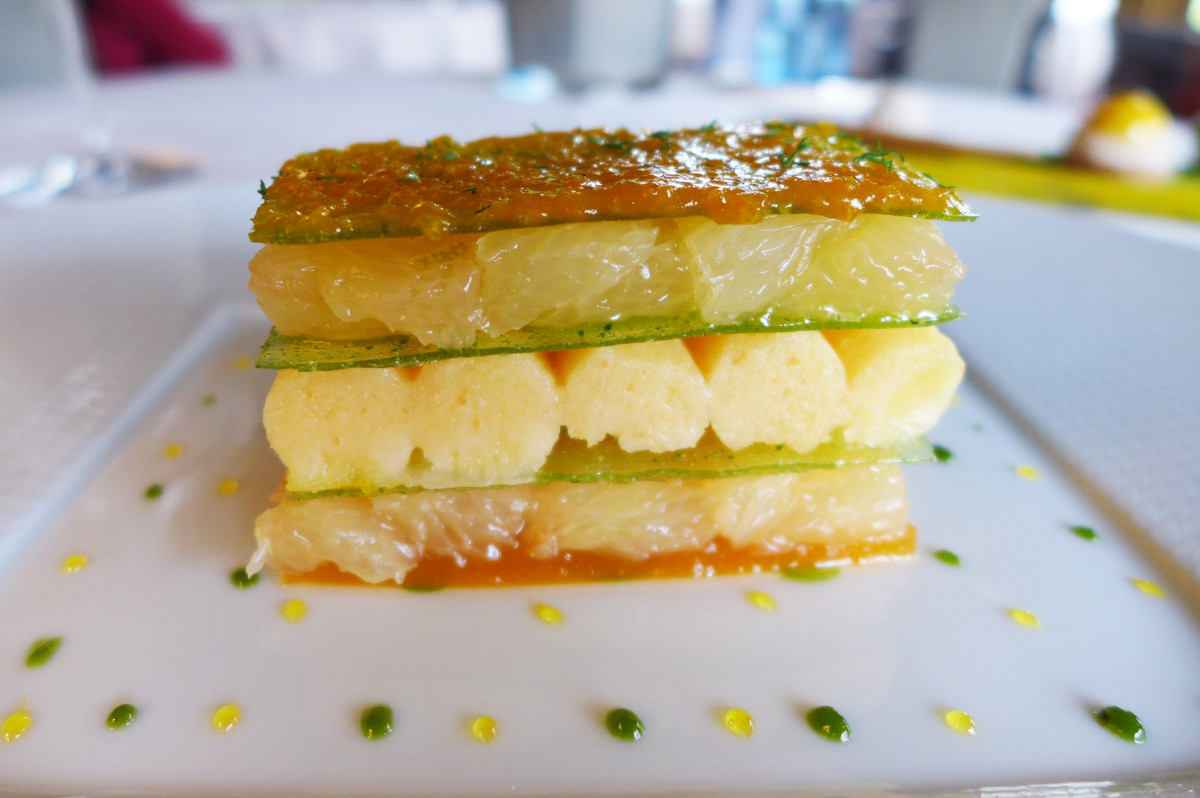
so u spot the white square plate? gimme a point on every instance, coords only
(154, 620)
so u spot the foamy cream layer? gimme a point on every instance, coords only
(473, 422)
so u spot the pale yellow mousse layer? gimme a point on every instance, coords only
(383, 537)
(477, 422)
(445, 292)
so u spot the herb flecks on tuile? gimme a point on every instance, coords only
(731, 175)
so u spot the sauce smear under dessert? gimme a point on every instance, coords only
(515, 567)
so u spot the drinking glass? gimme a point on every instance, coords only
(56, 141)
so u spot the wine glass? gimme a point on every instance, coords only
(59, 143)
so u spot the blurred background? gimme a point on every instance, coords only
(136, 92)
(1067, 50)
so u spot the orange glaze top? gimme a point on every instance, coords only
(730, 175)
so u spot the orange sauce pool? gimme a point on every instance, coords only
(515, 567)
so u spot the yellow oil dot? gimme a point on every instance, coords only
(172, 450)
(1027, 472)
(228, 487)
(243, 362)
(548, 615)
(959, 721)
(225, 718)
(15, 725)
(739, 722)
(74, 563)
(1147, 587)
(294, 610)
(1025, 618)
(763, 601)
(484, 729)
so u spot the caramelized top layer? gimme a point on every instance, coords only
(729, 175)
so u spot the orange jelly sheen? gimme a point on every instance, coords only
(718, 559)
(728, 175)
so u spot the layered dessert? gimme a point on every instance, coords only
(599, 354)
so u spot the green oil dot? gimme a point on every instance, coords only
(377, 722)
(829, 723)
(121, 716)
(1122, 723)
(947, 557)
(942, 454)
(1084, 532)
(422, 588)
(810, 574)
(208, 400)
(242, 580)
(624, 725)
(154, 491)
(42, 651)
